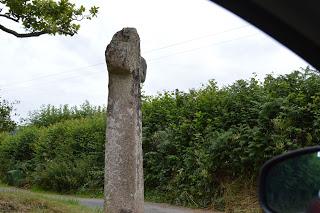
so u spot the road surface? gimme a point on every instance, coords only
(148, 207)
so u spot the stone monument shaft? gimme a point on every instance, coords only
(123, 155)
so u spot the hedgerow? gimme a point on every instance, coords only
(194, 142)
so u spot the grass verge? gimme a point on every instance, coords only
(81, 194)
(15, 200)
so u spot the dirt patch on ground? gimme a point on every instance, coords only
(241, 196)
(14, 206)
(6, 206)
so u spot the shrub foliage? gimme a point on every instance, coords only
(193, 141)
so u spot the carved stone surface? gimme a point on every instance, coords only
(124, 162)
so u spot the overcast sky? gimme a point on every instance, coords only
(185, 43)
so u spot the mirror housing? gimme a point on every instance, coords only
(286, 179)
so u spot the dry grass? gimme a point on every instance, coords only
(241, 197)
(24, 201)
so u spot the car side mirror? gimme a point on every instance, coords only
(290, 183)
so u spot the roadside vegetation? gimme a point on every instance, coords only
(202, 148)
(13, 200)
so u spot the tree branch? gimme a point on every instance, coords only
(21, 35)
(9, 17)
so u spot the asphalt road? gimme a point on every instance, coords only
(148, 207)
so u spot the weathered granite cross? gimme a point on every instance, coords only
(124, 160)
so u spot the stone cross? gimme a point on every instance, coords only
(123, 156)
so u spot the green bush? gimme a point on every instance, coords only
(49, 114)
(18, 154)
(70, 153)
(15, 177)
(64, 157)
(193, 141)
